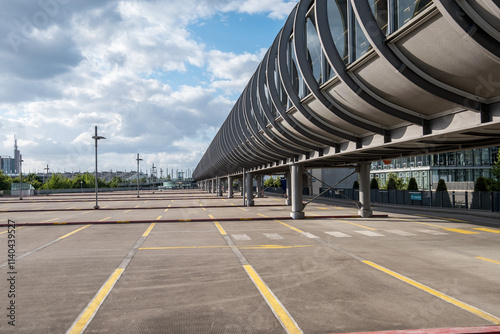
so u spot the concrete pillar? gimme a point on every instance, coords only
(288, 189)
(219, 187)
(249, 189)
(258, 178)
(296, 172)
(230, 187)
(364, 190)
(213, 186)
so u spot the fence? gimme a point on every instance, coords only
(444, 199)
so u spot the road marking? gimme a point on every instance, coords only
(219, 227)
(165, 210)
(50, 220)
(17, 228)
(71, 233)
(227, 246)
(159, 217)
(438, 294)
(489, 260)
(137, 206)
(281, 313)
(262, 215)
(486, 229)
(338, 234)
(241, 237)
(212, 217)
(432, 232)
(91, 309)
(370, 233)
(149, 230)
(398, 232)
(289, 226)
(321, 208)
(204, 209)
(310, 235)
(127, 211)
(458, 230)
(105, 219)
(358, 225)
(243, 209)
(273, 236)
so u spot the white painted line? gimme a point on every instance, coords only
(398, 232)
(370, 233)
(273, 236)
(339, 234)
(433, 232)
(309, 235)
(241, 237)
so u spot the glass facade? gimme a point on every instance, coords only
(453, 167)
(408, 9)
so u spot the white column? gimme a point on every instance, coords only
(364, 190)
(249, 189)
(288, 189)
(296, 172)
(230, 187)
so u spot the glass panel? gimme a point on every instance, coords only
(379, 9)
(361, 42)
(297, 79)
(279, 87)
(337, 19)
(314, 51)
(408, 9)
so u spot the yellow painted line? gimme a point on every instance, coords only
(50, 220)
(137, 206)
(262, 215)
(212, 217)
(105, 219)
(219, 227)
(104, 207)
(458, 230)
(75, 231)
(17, 228)
(286, 320)
(358, 225)
(321, 208)
(232, 204)
(166, 210)
(289, 226)
(201, 204)
(88, 314)
(489, 260)
(224, 246)
(486, 229)
(274, 247)
(149, 230)
(184, 220)
(438, 294)
(443, 218)
(170, 205)
(127, 211)
(204, 209)
(159, 217)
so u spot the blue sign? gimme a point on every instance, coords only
(416, 196)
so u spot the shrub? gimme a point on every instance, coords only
(412, 184)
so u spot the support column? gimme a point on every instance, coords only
(213, 186)
(288, 189)
(296, 172)
(249, 189)
(364, 190)
(230, 193)
(219, 187)
(258, 178)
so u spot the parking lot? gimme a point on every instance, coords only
(190, 262)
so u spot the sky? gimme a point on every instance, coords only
(158, 77)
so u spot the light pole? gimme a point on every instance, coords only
(138, 159)
(47, 176)
(153, 173)
(21, 177)
(81, 186)
(96, 138)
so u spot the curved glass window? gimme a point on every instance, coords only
(314, 51)
(297, 80)
(408, 9)
(379, 9)
(279, 86)
(337, 19)
(274, 112)
(361, 42)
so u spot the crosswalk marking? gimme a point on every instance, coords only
(241, 237)
(433, 232)
(370, 233)
(273, 236)
(338, 234)
(310, 235)
(402, 233)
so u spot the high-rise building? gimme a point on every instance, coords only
(9, 165)
(17, 157)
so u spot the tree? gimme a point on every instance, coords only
(412, 185)
(57, 181)
(495, 169)
(270, 182)
(441, 185)
(394, 182)
(5, 181)
(355, 185)
(34, 180)
(480, 196)
(442, 198)
(374, 183)
(480, 184)
(115, 182)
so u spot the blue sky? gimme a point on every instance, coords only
(157, 77)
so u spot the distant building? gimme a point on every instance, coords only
(9, 165)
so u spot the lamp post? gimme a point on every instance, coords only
(21, 177)
(81, 186)
(47, 177)
(96, 138)
(153, 173)
(138, 159)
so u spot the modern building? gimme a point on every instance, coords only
(458, 169)
(9, 165)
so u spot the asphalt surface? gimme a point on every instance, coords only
(191, 262)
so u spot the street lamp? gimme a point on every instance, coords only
(153, 173)
(47, 177)
(96, 138)
(21, 177)
(81, 186)
(138, 159)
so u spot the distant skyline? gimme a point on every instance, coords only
(157, 77)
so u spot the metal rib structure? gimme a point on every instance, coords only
(349, 82)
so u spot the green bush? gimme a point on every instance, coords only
(481, 184)
(355, 185)
(412, 184)
(374, 183)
